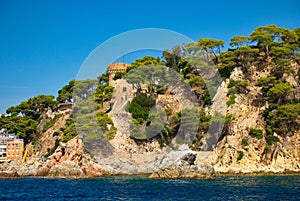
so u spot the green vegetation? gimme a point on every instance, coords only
(231, 100)
(55, 134)
(211, 47)
(66, 93)
(283, 119)
(145, 61)
(245, 142)
(238, 86)
(140, 106)
(257, 133)
(169, 111)
(204, 123)
(23, 119)
(118, 75)
(103, 121)
(271, 139)
(90, 96)
(103, 93)
(240, 155)
(143, 114)
(111, 133)
(69, 130)
(50, 123)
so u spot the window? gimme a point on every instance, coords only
(17, 145)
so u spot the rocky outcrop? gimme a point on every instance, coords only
(255, 155)
(123, 155)
(67, 169)
(70, 160)
(185, 167)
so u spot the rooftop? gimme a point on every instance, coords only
(5, 136)
(117, 66)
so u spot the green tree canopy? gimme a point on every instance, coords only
(246, 56)
(238, 41)
(280, 92)
(33, 106)
(266, 37)
(66, 93)
(140, 106)
(211, 46)
(147, 60)
(283, 120)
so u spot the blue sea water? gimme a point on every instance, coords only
(142, 188)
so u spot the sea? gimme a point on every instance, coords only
(143, 188)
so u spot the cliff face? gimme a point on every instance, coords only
(255, 156)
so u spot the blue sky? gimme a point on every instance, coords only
(44, 43)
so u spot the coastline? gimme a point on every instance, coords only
(5, 175)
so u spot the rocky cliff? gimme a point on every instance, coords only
(235, 153)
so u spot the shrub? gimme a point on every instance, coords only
(140, 107)
(232, 83)
(69, 130)
(56, 144)
(169, 111)
(91, 137)
(225, 72)
(55, 134)
(257, 133)
(232, 91)
(103, 119)
(271, 139)
(282, 120)
(240, 155)
(118, 75)
(237, 86)
(111, 133)
(50, 123)
(245, 142)
(231, 100)
(35, 140)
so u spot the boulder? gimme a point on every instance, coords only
(31, 168)
(185, 168)
(8, 174)
(67, 169)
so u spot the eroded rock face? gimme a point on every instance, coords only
(10, 169)
(66, 169)
(6, 174)
(185, 167)
(31, 168)
(70, 160)
(257, 156)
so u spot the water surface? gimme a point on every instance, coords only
(142, 188)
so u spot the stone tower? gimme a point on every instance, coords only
(112, 69)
